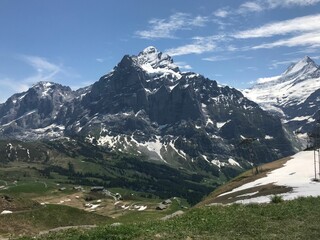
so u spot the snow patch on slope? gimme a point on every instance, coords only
(297, 173)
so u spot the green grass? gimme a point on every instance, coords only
(298, 219)
(26, 187)
(276, 199)
(146, 216)
(79, 163)
(47, 217)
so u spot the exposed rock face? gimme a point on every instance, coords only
(147, 106)
(37, 108)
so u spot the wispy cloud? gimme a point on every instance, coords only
(301, 31)
(309, 40)
(300, 24)
(198, 46)
(267, 79)
(250, 7)
(224, 58)
(252, 68)
(100, 60)
(291, 3)
(221, 13)
(263, 5)
(44, 70)
(183, 65)
(193, 48)
(166, 28)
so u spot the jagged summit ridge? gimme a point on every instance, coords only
(303, 67)
(156, 59)
(155, 62)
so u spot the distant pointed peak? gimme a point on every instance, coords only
(306, 60)
(305, 65)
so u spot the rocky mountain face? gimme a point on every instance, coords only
(294, 95)
(33, 114)
(147, 106)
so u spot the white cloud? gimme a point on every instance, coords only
(166, 28)
(183, 65)
(193, 48)
(199, 45)
(309, 40)
(45, 70)
(300, 24)
(199, 21)
(301, 31)
(222, 13)
(40, 64)
(252, 68)
(221, 23)
(232, 48)
(224, 58)
(267, 79)
(100, 60)
(262, 5)
(291, 3)
(216, 58)
(250, 7)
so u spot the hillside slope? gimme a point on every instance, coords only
(290, 178)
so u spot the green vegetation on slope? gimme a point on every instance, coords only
(79, 163)
(46, 217)
(298, 219)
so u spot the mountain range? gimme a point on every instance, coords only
(294, 96)
(148, 108)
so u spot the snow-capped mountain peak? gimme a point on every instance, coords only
(155, 62)
(293, 94)
(285, 89)
(304, 66)
(43, 87)
(43, 84)
(46, 88)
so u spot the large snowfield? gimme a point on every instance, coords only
(298, 173)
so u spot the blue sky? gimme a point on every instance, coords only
(76, 42)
